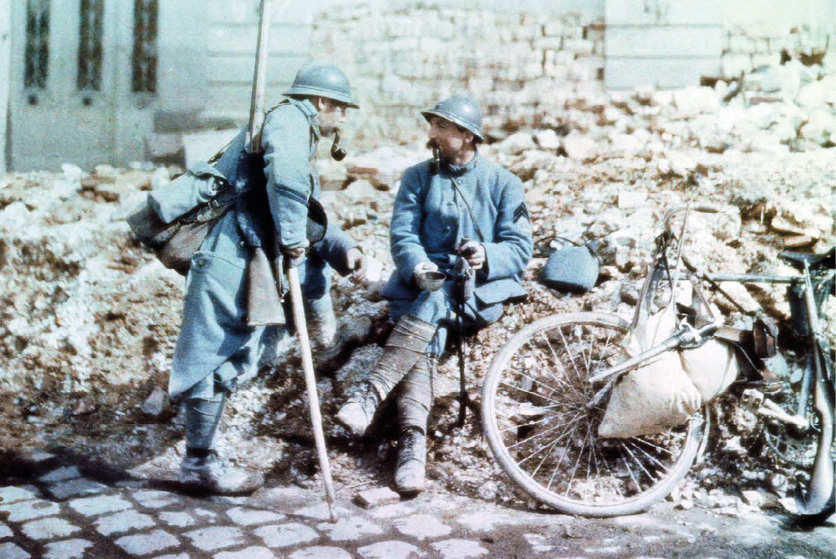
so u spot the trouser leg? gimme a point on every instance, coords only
(203, 417)
(322, 322)
(416, 396)
(406, 345)
(202, 468)
(414, 403)
(407, 342)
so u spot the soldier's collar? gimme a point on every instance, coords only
(459, 170)
(309, 111)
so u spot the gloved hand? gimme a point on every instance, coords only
(424, 267)
(474, 253)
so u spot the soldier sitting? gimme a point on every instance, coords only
(455, 195)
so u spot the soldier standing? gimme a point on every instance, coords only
(454, 196)
(216, 349)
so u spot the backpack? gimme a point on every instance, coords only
(176, 218)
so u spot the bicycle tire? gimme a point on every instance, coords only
(604, 490)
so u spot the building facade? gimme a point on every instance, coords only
(113, 81)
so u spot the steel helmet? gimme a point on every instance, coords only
(322, 80)
(459, 110)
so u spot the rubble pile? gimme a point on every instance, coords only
(90, 318)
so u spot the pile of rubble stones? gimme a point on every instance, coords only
(88, 318)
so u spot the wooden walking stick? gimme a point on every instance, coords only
(253, 145)
(310, 383)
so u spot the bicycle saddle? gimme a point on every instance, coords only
(797, 259)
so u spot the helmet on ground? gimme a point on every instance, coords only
(459, 110)
(322, 80)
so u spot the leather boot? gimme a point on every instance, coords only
(412, 460)
(214, 475)
(358, 411)
(406, 344)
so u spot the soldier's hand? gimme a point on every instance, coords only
(364, 268)
(474, 253)
(295, 255)
(424, 267)
(355, 259)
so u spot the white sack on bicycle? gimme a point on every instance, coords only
(656, 396)
(712, 367)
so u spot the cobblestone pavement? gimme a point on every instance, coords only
(55, 511)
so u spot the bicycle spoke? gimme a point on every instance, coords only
(506, 429)
(532, 379)
(541, 433)
(539, 449)
(577, 462)
(657, 447)
(545, 433)
(586, 359)
(630, 471)
(552, 445)
(603, 351)
(549, 371)
(639, 463)
(650, 456)
(560, 363)
(529, 392)
(569, 353)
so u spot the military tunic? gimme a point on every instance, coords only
(214, 337)
(432, 214)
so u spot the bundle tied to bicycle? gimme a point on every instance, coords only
(668, 370)
(667, 390)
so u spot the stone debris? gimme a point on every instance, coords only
(155, 403)
(89, 319)
(376, 497)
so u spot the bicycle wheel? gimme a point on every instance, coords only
(542, 425)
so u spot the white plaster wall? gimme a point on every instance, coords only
(778, 16)
(5, 77)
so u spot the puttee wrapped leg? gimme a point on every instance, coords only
(406, 344)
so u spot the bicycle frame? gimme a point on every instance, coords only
(817, 382)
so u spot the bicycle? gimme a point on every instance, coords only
(547, 390)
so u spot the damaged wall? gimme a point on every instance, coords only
(520, 67)
(525, 67)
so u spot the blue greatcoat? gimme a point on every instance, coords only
(431, 217)
(214, 337)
